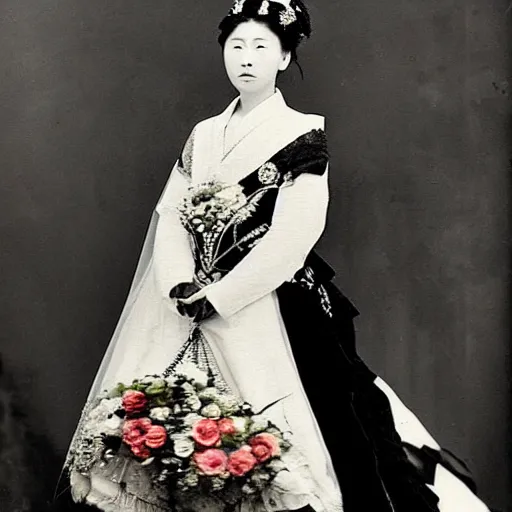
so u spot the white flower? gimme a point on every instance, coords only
(112, 427)
(105, 408)
(96, 420)
(247, 489)
(171, 381)
(188, 389)
(209, 394)
(276, 465)
(191, 480)
(260, 479)
(259, 424)
(217, 483)
(191, 419)
(193, 403)
(191, 372)
(160, 413)
(200, 209)
(201, 380)
(231, 194)
(211, 411)
(287, 436)
(183, 445)
(158, 382)
(228, 404)
(240, 423)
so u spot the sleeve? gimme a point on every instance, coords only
(173, 258)
(298, 222)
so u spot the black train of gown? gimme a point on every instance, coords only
(376, 471)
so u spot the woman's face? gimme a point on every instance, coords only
(253, 56)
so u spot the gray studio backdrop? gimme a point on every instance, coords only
(96, 99)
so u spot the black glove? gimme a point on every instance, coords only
(199, 310)
(184, 290)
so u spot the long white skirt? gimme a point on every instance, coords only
(254, 355)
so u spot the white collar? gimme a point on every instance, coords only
(259, 113)
(268, 108)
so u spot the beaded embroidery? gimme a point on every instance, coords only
(268, 173)
(307, 279)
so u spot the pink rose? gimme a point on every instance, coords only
(156, 437)
(211, 462)
(141, 451)
(206, 433)
(134, 431)
(227, 427)
(134, 402)
(265, 446)
(241, 461)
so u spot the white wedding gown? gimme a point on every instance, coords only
(248, 336)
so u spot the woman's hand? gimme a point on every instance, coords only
(199, 310)
(191, 301)
(184, 290)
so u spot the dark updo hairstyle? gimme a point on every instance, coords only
(290, 35)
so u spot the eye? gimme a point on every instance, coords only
(260, 46)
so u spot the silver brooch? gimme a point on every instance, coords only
(287, 17)
(263, 11)
(238, 6)
(268, 173)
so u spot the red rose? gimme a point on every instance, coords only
(227, 427)
(141, 451)
(241, 461)
(265, 446)
(211, 462)
(206, 433)
(134, 402)
(156, 437)
(134, 431)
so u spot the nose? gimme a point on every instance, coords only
(247, 59)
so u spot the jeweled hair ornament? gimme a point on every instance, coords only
(286, 17)
(237, 7)
(264, 8)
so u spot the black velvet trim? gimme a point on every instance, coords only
(308, 153)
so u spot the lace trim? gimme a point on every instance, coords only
(81, 447)
(186, 157)
(101, 489)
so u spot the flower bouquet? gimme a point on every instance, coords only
(208, 211)
(209, 206)
(197, 440)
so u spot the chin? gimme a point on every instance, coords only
(254, 87)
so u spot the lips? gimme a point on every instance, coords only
(246, 75)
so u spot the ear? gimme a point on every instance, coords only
(285, 62)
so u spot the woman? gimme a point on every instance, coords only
(265, 306)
